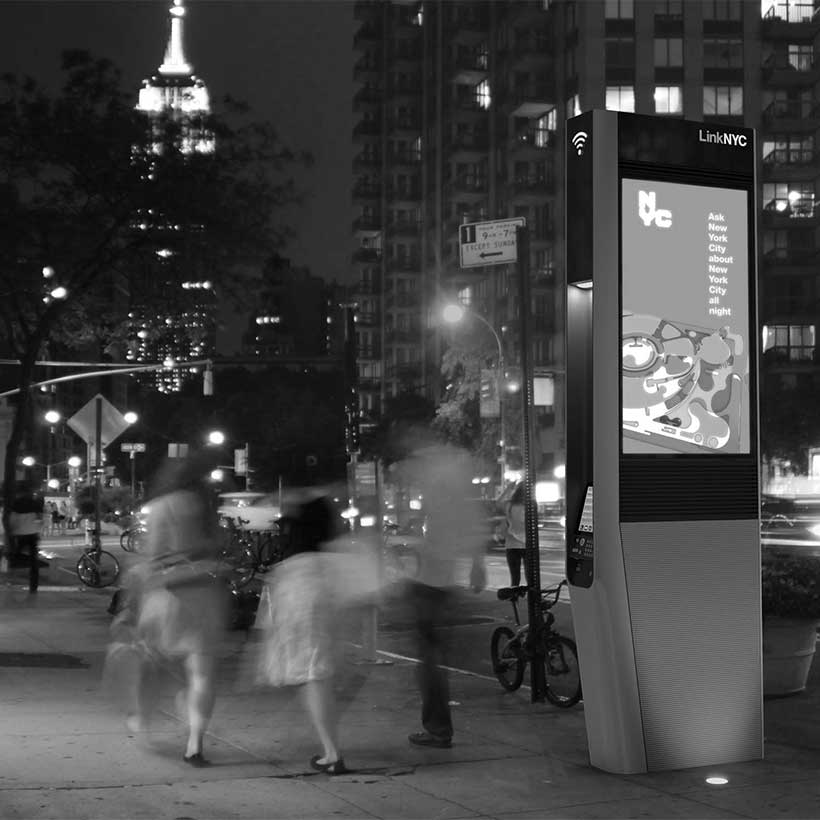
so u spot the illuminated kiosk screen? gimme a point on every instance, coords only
(685, 322)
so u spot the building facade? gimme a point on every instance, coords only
(188, 331)
(461, 108)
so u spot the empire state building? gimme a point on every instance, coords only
(188, 330)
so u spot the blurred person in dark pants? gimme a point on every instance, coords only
(26, 522)
(452, 540)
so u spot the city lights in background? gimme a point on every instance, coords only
(216, 437)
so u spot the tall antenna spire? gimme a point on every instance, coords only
(174, 62)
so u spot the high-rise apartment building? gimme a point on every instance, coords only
(461, 109)
(188, 331)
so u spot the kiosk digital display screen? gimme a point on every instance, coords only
(685, 318)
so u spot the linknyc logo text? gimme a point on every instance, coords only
(722, 138)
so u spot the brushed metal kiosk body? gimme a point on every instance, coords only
(665, 590)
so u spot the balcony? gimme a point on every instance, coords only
(366, 287)
(532, 101)
(404, 264)
(405, 336)
(403, 227)
(532, 185)
(367, 68)
(469, 184)
(367, 190)
(532, 139)
(791, 257)
(410, 90)
(367, 224)
(366, 256)
(405, 371)
(790, 70)
(366, 161)
(783, 213)
(530, 51)
(365, 98)
(368, 36)
(791, 115)
(405, 299)
(791, 21)
(404, 194)
(469, 69)
(468, 146)
(412, 158)
(531, 12)
(405, 125)
(783, 159)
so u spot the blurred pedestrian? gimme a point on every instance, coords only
(179, 599)
(452, 538)
(62, 518)
(297, 613)
(515, 539)
(26, 523)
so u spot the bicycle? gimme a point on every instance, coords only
(131, 538)
(401, 559)
(511, 650)
(237, 559)
(97, 567)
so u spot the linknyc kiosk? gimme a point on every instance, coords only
(664, 566)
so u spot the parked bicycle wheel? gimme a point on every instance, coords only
(135, 539)
(561, 672)
(98, 569)
(507, 658)
(237, 567)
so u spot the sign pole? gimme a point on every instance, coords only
(532, 556)
(95, 537)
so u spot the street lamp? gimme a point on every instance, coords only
(454, 313)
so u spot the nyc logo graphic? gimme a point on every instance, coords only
(649, 213)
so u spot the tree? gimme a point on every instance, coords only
(458, 416)
(89, 187)
(786, 430)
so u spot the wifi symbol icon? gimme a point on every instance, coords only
(579, 141)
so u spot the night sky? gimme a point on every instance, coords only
(290, 60)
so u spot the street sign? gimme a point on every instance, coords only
(132, 447)
(84, 424)
(489, 243)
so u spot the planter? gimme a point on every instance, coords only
(788, 651)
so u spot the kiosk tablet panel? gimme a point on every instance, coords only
(685, 318)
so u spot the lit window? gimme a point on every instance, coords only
(725, 100)
(573, 106)
(793, 343)
(668, 99)
(620, 98)
(482, 94)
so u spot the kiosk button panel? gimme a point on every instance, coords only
(581, 552)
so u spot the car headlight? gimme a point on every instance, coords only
(815, 530)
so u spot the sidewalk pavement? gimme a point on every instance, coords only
(64, 752)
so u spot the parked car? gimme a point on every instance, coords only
(258, 511)
(792, 522)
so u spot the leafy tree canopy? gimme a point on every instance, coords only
(93, 189)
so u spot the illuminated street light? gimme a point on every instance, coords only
(52, 416)
(216, 437)
(217, 475)
(75, 461)
(28, 461)
(454, 313)
(131, 417)
(59, 293)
